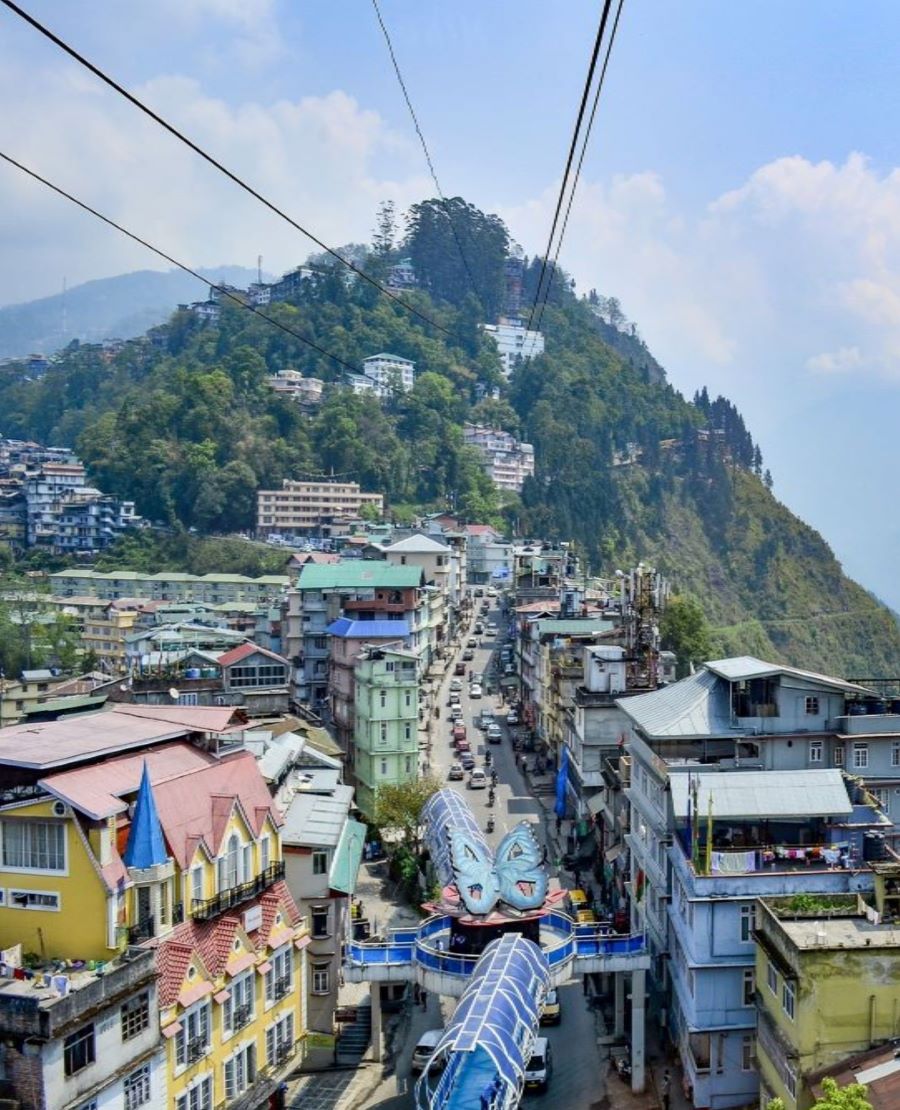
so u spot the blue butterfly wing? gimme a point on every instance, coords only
(473, 870)
(520, 873)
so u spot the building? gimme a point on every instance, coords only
(489, 556)
(514, 342)
(311, 507)
(506, 460)
(89, 1037)
(361, 590)
(292, 384)
(402, 276)
(210, 589)
(436, 561)
(152, 829)
(386, 739)
(390, 373)
(290, 285)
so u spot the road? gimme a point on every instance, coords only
(579, 1079)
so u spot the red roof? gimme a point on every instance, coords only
(481, 530)
(197, 718)
(213, 941)
(242, 651)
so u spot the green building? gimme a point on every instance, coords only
(385, 748)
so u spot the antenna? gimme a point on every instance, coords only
(259, 269)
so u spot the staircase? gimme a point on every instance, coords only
(354, 1040)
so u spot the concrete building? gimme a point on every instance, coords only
(506, 460)
(490, 557)
(212, 589)
(311, 507)
(390, 373)
(821, 989)
(292, 384)
(386, 738)
(436, 563)
(514, 341)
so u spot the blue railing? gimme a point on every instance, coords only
(615, 945)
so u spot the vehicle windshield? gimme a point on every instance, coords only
(536, 1063)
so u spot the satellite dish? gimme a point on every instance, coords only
(173, 694)
(123, 687)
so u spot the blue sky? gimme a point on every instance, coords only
(741, 195)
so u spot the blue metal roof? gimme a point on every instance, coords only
(146, 846)
(368, 630)
(444, 811)
(498, 1017)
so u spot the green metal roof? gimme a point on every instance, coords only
(347, 857)
(358, 574)
(584, 627)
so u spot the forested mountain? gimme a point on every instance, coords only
(625, 466)
(118, 307)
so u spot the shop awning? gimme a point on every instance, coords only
(595, 803)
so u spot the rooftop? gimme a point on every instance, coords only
(419, 545)
(390, 358)
(348, 629)
(839, 932)
(359, 574)
(316, 820)
(768, 795)
(742, 668)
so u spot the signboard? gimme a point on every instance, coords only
(320, 1040)
(345, 1014)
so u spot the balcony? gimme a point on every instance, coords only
(143, 930)
(281, 987)
(204, 909)
(241, 1016)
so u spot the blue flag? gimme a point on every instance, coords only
(561, 783)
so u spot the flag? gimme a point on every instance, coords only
(561, 783)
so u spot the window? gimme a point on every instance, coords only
(264, 853)
(407, 732)
(382, 698)
(747, 1049)
(279, 979)
(320, 978)
(749, 987)
(234, 860)
(812, 707)
(772, 978)
(790, 1080)
(895, 754)
(33, 900)
(409, 764)
(383, 731)
(197, 883)
(748, 921)
(237, 1010)
(788, 997)
(860, 755)
(34, 845)
(137, 1088)
(839, 755)
(197, 1097)
(79, 1050)
(192, 1041)
(408, 699)
(320, 863)
(135, 1016)
(280, 1040)
(320, 915)
(815, 751)
(183, 699)
(384, 766)
(882, 796)
(240, 1072)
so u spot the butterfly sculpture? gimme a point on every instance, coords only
(515, 875)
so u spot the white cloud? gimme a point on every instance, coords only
(835, 362)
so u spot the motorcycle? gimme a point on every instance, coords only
(489, 827)
(623, 1068)
(491, 796)
(493, 779)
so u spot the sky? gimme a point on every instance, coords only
(741, 195)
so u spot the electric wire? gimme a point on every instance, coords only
(174, 261)
(197, 149)
(589, 80)
(425, 150)
(584, 146)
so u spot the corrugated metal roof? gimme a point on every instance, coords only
(358, 574)
(766, 795)
(744, 667)
(419, 544)
(586, 626)
(368, 630)
(697, 706)
(316, 820)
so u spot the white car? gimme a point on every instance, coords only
(493, 731)
(474, 690)
(478, 780)
(491, 592)
(425, 1046)
(512, 717)
(455, 684)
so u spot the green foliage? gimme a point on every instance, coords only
(398, 811)
(684, 630)
(34, 634)
(151, 552)
(833, 1097)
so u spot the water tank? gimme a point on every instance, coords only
(192, 672)
(605, 670)
(875, 706)
(873, 847)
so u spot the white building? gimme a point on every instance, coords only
(514, 341)
(507, 461)
(390, 373)
(291, 383)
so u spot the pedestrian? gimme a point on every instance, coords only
(417, 994)
(664, 1089)
(423, 996)
(558, 824)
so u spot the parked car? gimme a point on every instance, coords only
(425, 1046)
(540, 1066)
(474, 690)
(491, 592)
(512, 717)
(455, 685)
(456, 713)
(456, 772)
(460, 668)
(467, 760)
(472, 642)
(490, 630)
(478, 780)
(453, 699)
(459, 732)
(468, 655)
(551, 1012)
(479, 627)
(462, 745)
(494, 735)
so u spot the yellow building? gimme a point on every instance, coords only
(172, 847)
(827, 973)
(105, 632)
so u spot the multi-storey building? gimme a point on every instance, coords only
(435, 560)
(65, 514)
(152, 829)
(307, 507)
(821, 989)
(292, 384)
(359, 589)
(390, 373)
(211, 589)
(490, 558)
(514, 341)
(386, 739)
(506, 460)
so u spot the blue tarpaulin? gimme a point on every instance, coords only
(562, 776)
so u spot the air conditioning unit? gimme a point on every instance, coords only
(282, 986)
(59, 809)
(241, 1016)
(196, 1049)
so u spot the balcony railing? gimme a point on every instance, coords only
(281, 987)
(241, 1017)
(203, 909)
(143, 930)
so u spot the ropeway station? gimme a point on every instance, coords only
(495, 902)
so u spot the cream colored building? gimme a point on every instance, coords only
(308, 506)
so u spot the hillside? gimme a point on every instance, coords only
(120, 307)
(626, 466)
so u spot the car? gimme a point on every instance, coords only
(551, 1012)
(455, 685)
(479, 627)
(540, 1067)
(425, 1046)
(512, 717)
(478, 780)
(509, 668)
(494, 735)
(460, 668)
(474, 690)
(456, 714)
(490, 630)
(472, 642)
(453, 699)
(479, 591)
(459, 731)
(491, 592)
(468, 655)
(486, 718)
(467, 760)
(456, 772)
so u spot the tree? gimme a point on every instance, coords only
(833, 1097)
(398, 809)
(385, 229)
(683, 629)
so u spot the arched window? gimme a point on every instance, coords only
(233, 866)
